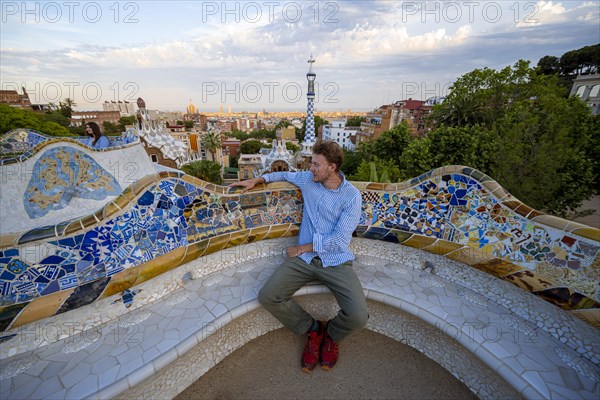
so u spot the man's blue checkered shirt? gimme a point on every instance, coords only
(329, 216)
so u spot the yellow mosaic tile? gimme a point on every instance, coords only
(591, 316)
(588, 232)
(121, 281)
(530, 281)
(552, 221)
(141, 185)
(498, 267)
(442, 247)
(73, 228)
(9, 239)
(376, 186)
(194, 250)
(512, 204)
(239, 237)
(258, 233)
(277, 231)
(110, 210)
(419, 242)
(567, 299)
(217, 243)
(160, 265)
(523, 210)
(293, 230)
(88, 221)
(469, 256)
(41, 307)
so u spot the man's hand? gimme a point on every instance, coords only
(248, 183)
(295, 251)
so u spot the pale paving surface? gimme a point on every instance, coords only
(528, 342)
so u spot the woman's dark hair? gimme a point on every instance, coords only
(332, 152)
(95, 130)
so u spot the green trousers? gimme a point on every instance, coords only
(276, 296)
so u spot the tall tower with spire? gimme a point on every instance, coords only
(309, 134)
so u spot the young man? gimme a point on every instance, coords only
(332, 208)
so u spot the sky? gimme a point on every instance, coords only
(252, 55)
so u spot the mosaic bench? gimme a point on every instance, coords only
(486, 332)
(82, 274)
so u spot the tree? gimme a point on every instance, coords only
(378, 170)
(212, 142)
(110, 128)
(13, 118)
(541, 153)
(188, 124)
(126, 120)
(355, 121)
(284, 123)
(352, 160)
(291, 146)
(250, 147)
(66, 106)
(548, 65)
(463, 110)
(464, 145)
(483, 95)
(390, 144)
(206, 170)
(416, 159)
(55, 116)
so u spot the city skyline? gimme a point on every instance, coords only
(252, 56)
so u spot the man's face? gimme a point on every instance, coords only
(321, 168)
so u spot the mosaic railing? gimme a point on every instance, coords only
(168, 219)
(20, 144)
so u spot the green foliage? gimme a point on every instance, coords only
(514, 124)
(56, 116)
(127, 120)
(241, 136)
(416, 159)
(263, 134)
(13, 118)
(188, 124)
(211, 141)
(206, 170)
(352, 160)
(66, 106)
(284, 123)
(250, 147)
(390, 144)
(233, 161)
(291, 146)
(542, 153)
(585, 60)
(355, 121)
(378, 170)
(110, 128)
(466, 145)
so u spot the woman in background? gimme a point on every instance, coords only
(97, 140)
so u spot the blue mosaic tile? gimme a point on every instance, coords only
(63, 173)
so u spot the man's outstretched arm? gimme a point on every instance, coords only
(249, 183)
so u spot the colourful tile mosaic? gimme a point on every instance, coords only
(171, 219)
(64, 173)
(20, 144)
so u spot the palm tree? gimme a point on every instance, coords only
(211, 142)
(461, 111)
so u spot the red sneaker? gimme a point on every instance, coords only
(329, 352)
(310, 356)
